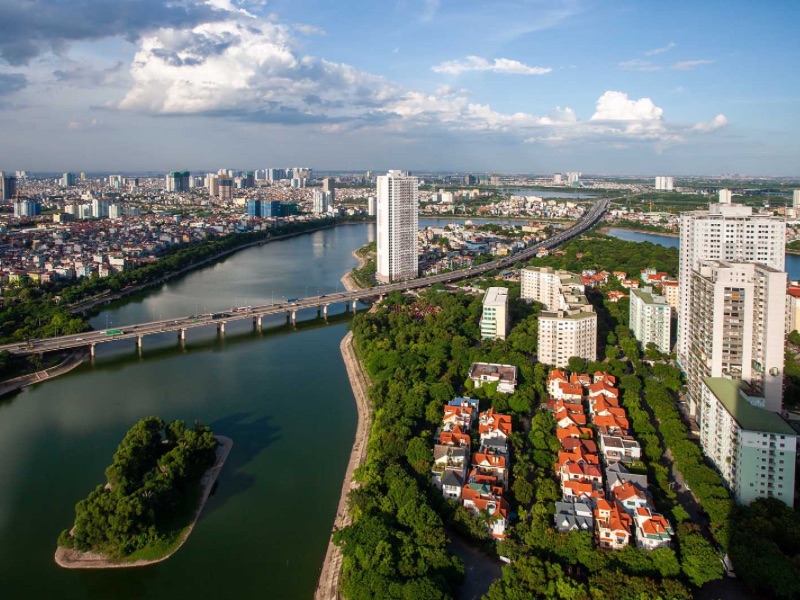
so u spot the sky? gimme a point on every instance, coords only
(516, 86)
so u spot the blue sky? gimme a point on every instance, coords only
(509, 86)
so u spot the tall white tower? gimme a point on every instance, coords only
(398, 198)
(728, 232)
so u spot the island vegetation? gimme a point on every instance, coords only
(151, 496)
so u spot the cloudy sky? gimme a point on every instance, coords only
(599, 86)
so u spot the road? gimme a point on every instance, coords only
(589, 219)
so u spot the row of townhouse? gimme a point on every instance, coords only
(599, 492)
(475, 479)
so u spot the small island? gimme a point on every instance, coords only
(160, 479)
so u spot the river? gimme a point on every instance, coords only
(792, 260)
(283, 397)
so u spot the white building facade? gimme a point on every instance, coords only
(737, 329)
(397, 202)
(724, 232)
(494, 320)
(650, 318)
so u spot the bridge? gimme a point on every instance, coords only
(321, 302)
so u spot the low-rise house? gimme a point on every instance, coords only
(496, 465)
(494, 424)
(569, 391)
(612, 525)
(573, 431)
(583, 472)
(630, 497)
(615, 296)
(482, 496)
(601, 388)
(453, 436)
(573, 516)
(573, 444)
(611, 425)
(575, 491)
(601, 405)
(615, 448)
(458, 415)
(554, 379)
(617, 475)
(564, 417)
(449, 470)
(504, 375)
(652, 529)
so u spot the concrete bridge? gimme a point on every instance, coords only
(180, 325)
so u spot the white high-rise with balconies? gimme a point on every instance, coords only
(737, 329)
(665, 184)
(726, 232)
(650, 318)
(398, 198)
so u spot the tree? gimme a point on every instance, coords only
(699, 561)
(419, 456)
(576, 364)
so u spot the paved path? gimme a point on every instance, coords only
(75, 358)
(328, 585)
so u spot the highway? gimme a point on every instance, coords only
(181, 324)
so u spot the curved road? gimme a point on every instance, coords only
(90, 338)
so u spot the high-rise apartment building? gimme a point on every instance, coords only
(737, 328)
(212, 182)
(100, 208)
(225, 188)
(725, 197)
(321, 200)
(650, 318)
(371, 208)
(665, 184)
(574, 178)
(329, 186)
(178, 181)
(754, 450)
(494, 320)
(723, 232)
(27, 208)
(796, 199)
(548, 287)
(68, 179)
(8, 186)
(398, 199)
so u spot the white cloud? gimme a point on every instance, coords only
(616, 106)
(638, 64)
(498, 65)
(662, 50)
(716, 123)
(688, 65)
(83, 125)
(559, 116)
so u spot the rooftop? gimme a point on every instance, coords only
(727, 391)
(647, 296)
(496, 296)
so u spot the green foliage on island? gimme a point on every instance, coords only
(151, 495)
(365, 276)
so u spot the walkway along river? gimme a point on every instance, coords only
(285, 401)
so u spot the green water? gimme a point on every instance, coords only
(282, 396)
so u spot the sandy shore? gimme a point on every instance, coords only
(328, 585)
(69, 558)
(347, 279)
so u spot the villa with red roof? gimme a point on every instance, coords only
(652, 529)
(612, 525)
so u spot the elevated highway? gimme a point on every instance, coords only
(256, 313)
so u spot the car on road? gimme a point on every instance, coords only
(79, 339)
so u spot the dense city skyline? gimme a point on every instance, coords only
(420, 84)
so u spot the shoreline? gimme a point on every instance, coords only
(74, 360)
(69, 558)
(605, 229)
(347, 279)
(331, 571)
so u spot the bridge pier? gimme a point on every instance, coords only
(139, 341)
(294, 318)
(221, 328)
(182, 333)
(347, 306)
(355, 304)
(325, 311)
(288, 317)
(91, 350)
(259, 321)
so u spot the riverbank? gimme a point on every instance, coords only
(65, 366)
(91, 303)
(70, 558)
(348, 281)
(328, 584)
(605, 229)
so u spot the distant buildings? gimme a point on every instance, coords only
(494, 321)
(754, 450)
(792, 309)
(27, 208)
(573, 178)
(321, 201)
(68, 179)
(568, 325)
(398, 199)
(371, 206)
(329, 187)
(650, 318)
(725, 197)
(8, 186)
(178, 181)
(664, 184)
(226, 187)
